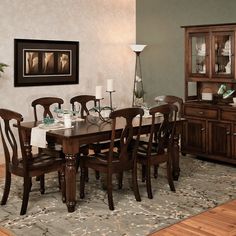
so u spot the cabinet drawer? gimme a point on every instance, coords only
(201, 112)
(228, 115)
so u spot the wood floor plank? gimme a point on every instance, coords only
(190, 230)
(222, 217)
(219, 221)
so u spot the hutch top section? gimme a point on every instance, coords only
(210, 59)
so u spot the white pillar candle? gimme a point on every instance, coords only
(110, 85)
(98, 92)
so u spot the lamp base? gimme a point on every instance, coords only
(138, 102)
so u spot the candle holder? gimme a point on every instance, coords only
(110, 97)
(98, 109)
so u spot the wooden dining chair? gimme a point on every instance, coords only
(114, 161)
(43, 107)
(84, 101)
(46, 103)
(28, 165)
(159, 148)
(170, 99)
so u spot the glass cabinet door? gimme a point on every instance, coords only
(223, 58)
(199, 48)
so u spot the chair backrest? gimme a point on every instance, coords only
(83, 101)
(8, 138)
(170, 99)
(46, 103)
(162, 135)
(128, 147)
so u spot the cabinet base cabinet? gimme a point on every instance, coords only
(209, 137)
(194, 138)
(234, 143)
(219, 139)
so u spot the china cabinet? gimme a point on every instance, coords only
(210, 84)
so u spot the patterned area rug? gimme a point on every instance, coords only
(202, 185)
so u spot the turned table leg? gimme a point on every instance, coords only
(70, 175)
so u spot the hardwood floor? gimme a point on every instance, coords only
(219, 221)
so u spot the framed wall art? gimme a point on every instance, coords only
(45, 62)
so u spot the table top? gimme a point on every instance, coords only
(85, 129)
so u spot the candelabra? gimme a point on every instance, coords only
(98, 108)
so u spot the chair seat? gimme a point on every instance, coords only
(154, 158)
(37, 162)
(143, 147)
(103, 145)
(100, 161)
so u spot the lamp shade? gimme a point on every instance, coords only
(137, 47)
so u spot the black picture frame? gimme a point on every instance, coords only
(45, 62)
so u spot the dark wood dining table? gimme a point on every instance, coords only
(85, 132)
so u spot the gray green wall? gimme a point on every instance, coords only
(158, 26)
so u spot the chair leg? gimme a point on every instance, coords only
(156, 171)
(77, 162)
(148, 182)
(59, 179)
(97, 174)
(37, 178)
(109, 191)
(120, 180)
(63, 185)
(97, 150)
(135, 184)
(143, 173)
(7, 187)
(86, 173)
(42, 184)
(82, 180)
(169, 176)
(27, 183)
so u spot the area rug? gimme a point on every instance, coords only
(202, 185)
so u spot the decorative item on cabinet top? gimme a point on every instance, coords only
(207, 94)
(224, 91)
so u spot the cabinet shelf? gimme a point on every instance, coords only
(211, 80)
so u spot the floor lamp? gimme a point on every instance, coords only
(138, 92)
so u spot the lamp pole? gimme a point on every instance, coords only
(138, 91)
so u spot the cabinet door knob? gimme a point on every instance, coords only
(202, 129)
(228, 132)
(234, 134)
(200, 112)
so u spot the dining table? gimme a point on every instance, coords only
(86, 132)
